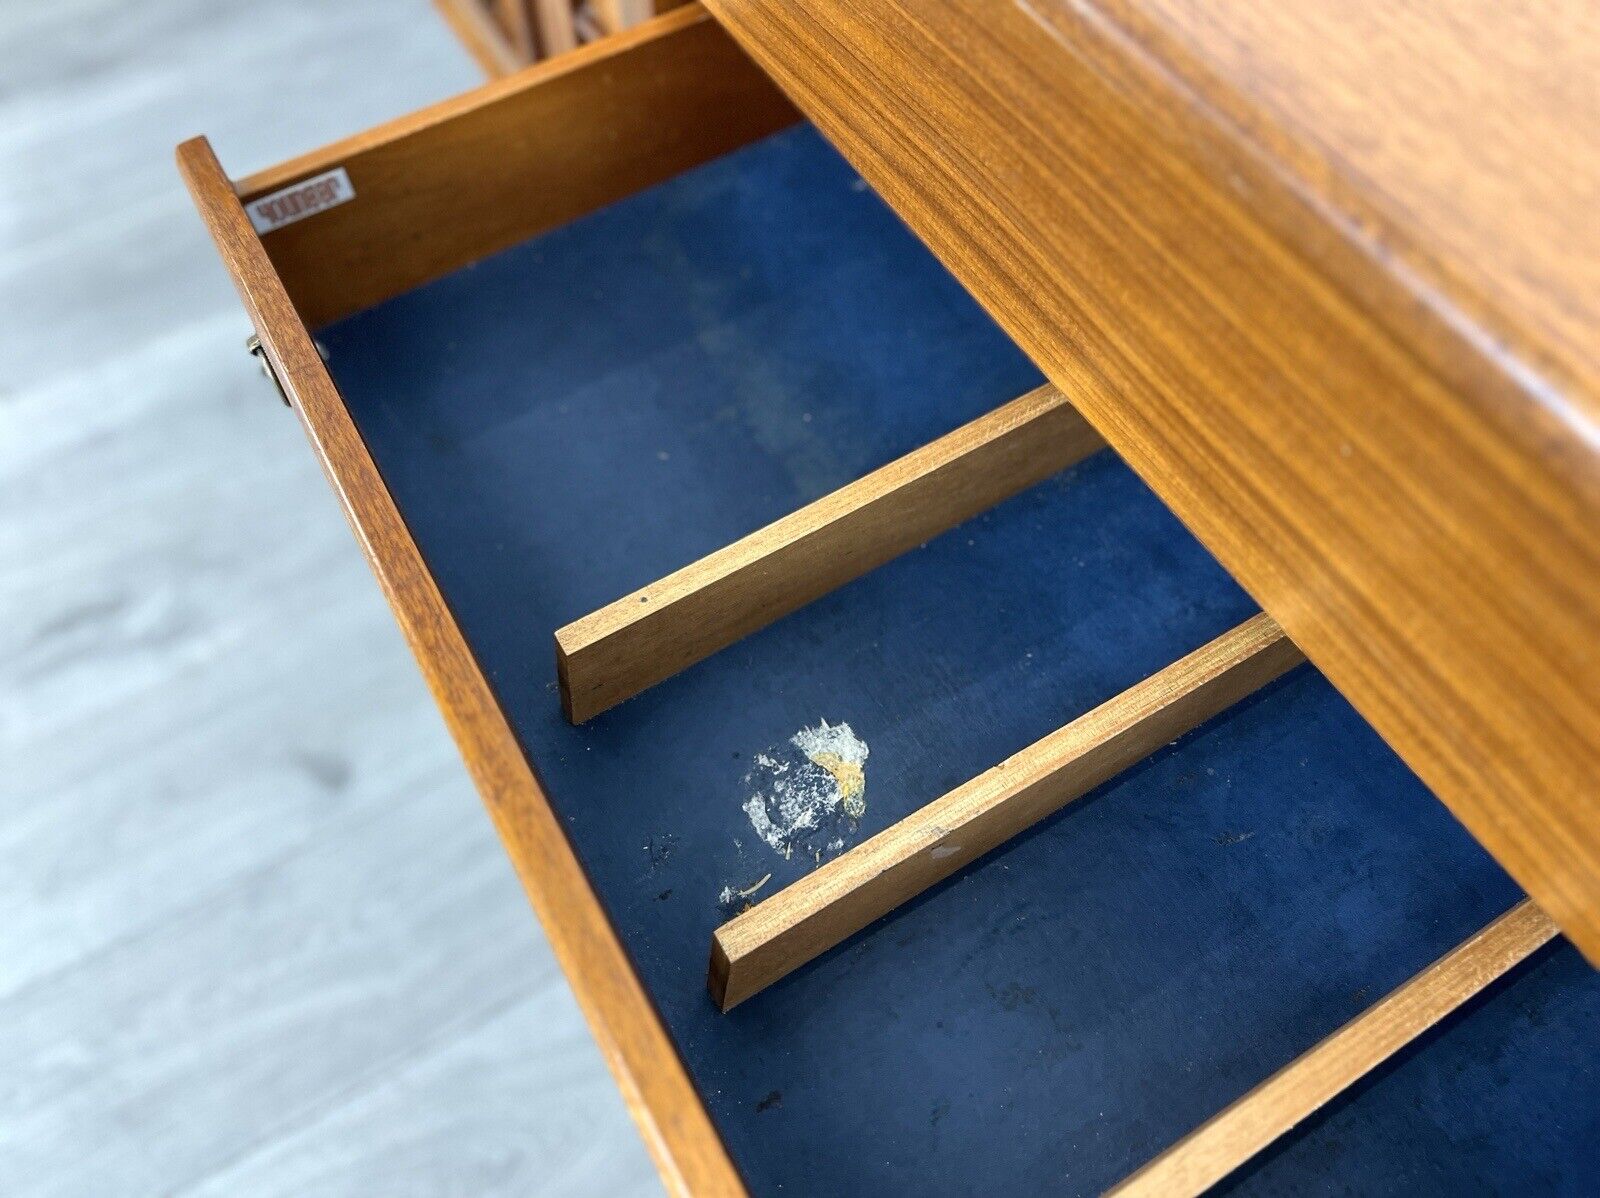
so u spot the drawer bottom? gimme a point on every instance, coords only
(577, 416)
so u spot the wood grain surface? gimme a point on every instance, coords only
(1324, 275)
(778, 935)
(653, 633)
(449, 184)
(674, 1124)
(1209, 1153)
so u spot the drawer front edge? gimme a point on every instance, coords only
(676, 1127)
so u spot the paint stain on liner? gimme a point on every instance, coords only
(811, 793)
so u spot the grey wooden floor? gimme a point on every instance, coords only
(256, 934)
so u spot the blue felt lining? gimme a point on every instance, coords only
(576, 416)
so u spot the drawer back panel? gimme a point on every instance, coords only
(443, 187)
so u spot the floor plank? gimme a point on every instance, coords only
(479, 1140)
(256, 935)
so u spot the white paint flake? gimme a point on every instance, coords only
(794, 797)
(729, 894)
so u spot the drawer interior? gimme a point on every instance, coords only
(583, 411)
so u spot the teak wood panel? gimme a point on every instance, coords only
(804, 920)
(1407, 481)
(1461, 139)
(653, 633)
(1227, 1140)
(654, 1084)
(452, 183)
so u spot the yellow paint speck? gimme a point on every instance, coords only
(852, 780)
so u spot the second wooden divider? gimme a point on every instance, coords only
(812, 915)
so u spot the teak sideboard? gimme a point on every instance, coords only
(1021, 581)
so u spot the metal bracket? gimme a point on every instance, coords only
(253, 344)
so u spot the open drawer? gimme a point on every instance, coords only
(559, 340)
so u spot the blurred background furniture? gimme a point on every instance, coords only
(505, 35)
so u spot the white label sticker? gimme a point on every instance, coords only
(300, 200)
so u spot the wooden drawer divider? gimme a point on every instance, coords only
(646, 637)
(805, 919)
(1230, 1138)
